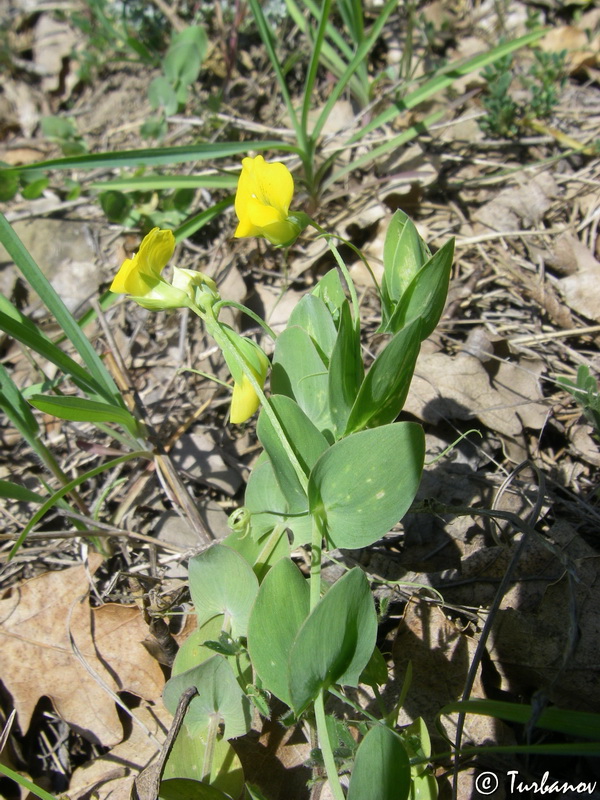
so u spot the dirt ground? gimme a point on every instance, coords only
(523, 311)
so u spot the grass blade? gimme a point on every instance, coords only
(12, 491)
(25, 331)
(146, 183)
(157, 156)
(51, 501)
(445, 79)
(40, 284)
(194, 224)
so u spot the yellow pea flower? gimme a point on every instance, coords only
(141, 274)
(141, 277)
(262, 202)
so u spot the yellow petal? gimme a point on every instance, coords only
(261, 215)
(244, 402)
(263, 196)
(155, 251)
(129, 280)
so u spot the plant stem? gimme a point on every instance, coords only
(326, 751)
(214, 329)
(315, 560)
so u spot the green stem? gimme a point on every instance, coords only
(209, 752)
(214, 329)
(327, 752)
(245, 310)
(315, 560)
(344, 269)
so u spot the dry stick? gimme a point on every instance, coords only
(494, 608)
(147, 784)
(165, 469)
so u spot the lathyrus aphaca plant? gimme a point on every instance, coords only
(337, 471)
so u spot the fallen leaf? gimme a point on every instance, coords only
(53, 42)
(581, 290)
(546, 633)
(112, 775)
(581, 52)
(118, 633)
(37, 620)
(460, 387)
(518, 205)
(440, 655)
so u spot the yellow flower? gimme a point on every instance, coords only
(245, 401)
(141, 274)
(262, 202)
(141, 277)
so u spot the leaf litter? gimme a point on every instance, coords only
(523, 310)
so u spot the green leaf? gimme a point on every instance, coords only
(13, 322)
(58, 495)
(300, 373)
(222, 582)
(260, 551)
(383, 392)
(161, 94)
(201, 219)
(9, 184)
(306, 440)
(366, 482)
(188, 789)
(192, 651)
(376, 671)
(404, 253)
(381, 768)
(58, 128)
(206, 151)
(346, 371)
(22, 781)
(144, 183)
(281, 606)
(336, 641)
(312, 315)
(268, 506)
(330, 290)
(187, 756)
(425, 296)
(13, 491)
(80, 409)
(571, 723)
(34, 189)
(185, 55)
(218, 694)
(115, 205)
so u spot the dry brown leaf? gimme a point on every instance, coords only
(460, 387)
(581, 290)
(38, 658)
(118, 635)
(440, 654)
(36, 620)
(546, 634)
(275, 759)
(518, 205)
(112, 775)
(53, 43)
(581, 52)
